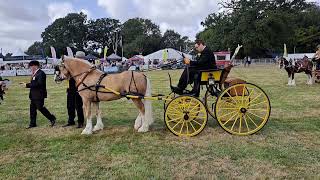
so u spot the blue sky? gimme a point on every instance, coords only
(22, 21)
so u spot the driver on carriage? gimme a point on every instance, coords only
(205, 61)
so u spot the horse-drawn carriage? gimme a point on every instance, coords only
(240, 108)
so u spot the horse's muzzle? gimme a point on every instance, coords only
(58, 79)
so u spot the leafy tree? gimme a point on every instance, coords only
(172, 39)
(35, 49)
(263, 26)
(140, 36)
(67, 31)
(102, 32)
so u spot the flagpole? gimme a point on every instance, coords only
(121, 49)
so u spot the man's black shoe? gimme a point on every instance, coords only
(53, 121)
(80, 126)
(69, 124)
(29, 127)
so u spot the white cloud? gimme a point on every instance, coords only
(21, 24)
(59, 10)
(183, 16)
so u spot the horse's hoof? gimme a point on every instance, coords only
(97, 129)
(85, 132)
(142, 130)
(136, 127)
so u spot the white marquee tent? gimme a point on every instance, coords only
(171, 54)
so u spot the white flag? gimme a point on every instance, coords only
(70, 53)
(53, 52)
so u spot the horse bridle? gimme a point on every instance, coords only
(81, 79)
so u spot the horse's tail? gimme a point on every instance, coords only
(148, 104)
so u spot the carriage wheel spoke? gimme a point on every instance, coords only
(245, 120)
(200, 117)
(182, 127)
(187, 125)
(258, 109)
(228, 114)
(234, 88)
(242, 100)
(174, 119)
(257, 103)
(194, 129)
(254, 99)
(194, 107)
(255, 115)
(250, 94)
(251, 120)
(240, 123)
(177, 123)
(232, 97)
(230, 118)
(229, 108)
(175, 110)
(197, 122)
(234, 122)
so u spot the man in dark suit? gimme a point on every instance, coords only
(74, 100)
(205, 60)
(38, 92)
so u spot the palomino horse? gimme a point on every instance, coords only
(95, 86)
(299, 66)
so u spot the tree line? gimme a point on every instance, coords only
(261, 26)
(135, 36)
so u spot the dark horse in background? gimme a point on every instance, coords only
(3, 87)
(292, 67)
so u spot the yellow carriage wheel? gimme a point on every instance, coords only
(242, 109)
(210, 101)
(185, 116)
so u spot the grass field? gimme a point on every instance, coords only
(287, 147)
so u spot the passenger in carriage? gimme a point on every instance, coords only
(205, 61)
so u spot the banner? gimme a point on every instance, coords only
(165, 55)
(70, 53)
(53, 52)
(48, 71)
(24, 72)
(8, 73)
(105, 53)
(285, 52)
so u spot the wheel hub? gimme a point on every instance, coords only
(186, 117)
(243, 110)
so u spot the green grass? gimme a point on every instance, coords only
(287, 147)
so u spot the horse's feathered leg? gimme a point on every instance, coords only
(87, 108)
(289, 79)
(293, 81)
(141, 120)
(148, 104)
(138, 122)
(144, 119)
(99, 125)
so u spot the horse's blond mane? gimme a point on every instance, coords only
(78, 60)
